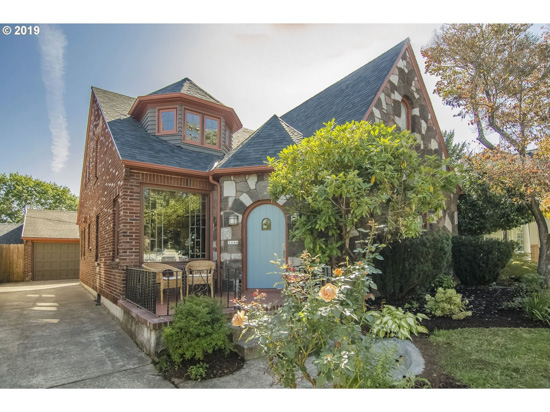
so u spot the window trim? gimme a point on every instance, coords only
(160, 130)
(217, 119)
(408, 112)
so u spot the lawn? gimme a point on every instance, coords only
(495, 357)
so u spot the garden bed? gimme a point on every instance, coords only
(219, 364)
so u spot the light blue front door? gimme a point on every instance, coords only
(266, 234)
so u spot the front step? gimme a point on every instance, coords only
(247, 348)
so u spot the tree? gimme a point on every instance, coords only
(18, 192)
(498, 76)
(345, 177)
(455, 150)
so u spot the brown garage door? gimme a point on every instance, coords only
(54, 261)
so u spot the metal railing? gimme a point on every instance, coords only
(143, 287)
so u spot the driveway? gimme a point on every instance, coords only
(52, 335)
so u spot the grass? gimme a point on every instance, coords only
(495, 357)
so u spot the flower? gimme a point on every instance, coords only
(239, 319)
(328, 292)
(337, 272)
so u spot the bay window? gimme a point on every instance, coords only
(174, 225)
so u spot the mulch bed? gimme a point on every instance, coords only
(219, 364)
(485, 302)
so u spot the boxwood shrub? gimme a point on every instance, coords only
(412, 265)
(478, 261)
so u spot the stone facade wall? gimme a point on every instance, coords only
(240, 193)
(404, 82)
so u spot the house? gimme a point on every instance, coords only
(46, 246)
(172, 176)
(527, 237)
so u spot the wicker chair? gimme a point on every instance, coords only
(166, 282)
(200, 272)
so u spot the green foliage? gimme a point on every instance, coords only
(394, 322)
(528, 285)
(537, 306)
(519, 266)
(347, 175)
(447, 302)
(165, 364)
(323, 318)
(198, 371)
(456, 151)
(478, 261)
(412, 265)
(482, 211)
(199, 328)
(18, 192)
(444, 282)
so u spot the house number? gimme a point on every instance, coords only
(266, 224)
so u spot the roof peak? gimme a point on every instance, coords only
(188, 87)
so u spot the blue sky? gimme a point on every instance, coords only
(259, 70)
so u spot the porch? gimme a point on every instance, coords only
(161, 292)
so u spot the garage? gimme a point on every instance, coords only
(56, 261)
(52, 245)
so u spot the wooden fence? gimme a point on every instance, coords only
(12, 260)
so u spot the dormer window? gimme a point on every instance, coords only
(211, 131)
(166, 121)
(192, 127)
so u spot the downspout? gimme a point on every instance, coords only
(218, 229)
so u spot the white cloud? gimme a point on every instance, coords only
(52, 43)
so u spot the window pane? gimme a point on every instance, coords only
(167, 119)
(193, 126)
(211, 131)
(174, 226)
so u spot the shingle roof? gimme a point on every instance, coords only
(268, 140)
(187, 86)
(346, 100)
(50, 224)
(10, 233)
(135, 144)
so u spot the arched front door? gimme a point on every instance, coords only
(265, 236)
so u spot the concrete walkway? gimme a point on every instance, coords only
(52, 335)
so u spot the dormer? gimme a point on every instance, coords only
(186, 115)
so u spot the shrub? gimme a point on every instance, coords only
(198, 371)
(519, 265)
(447, 302)
(199, 328)
(537, 306)
(411, 266)
(444, 281)
(394, 321)
(478, 261)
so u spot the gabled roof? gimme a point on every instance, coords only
(135, 144)
(346, 100)
(50, 224)
(10, 233)
(189, 87)
(268, 140)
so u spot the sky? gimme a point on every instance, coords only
(257, 69)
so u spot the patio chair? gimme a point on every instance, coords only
(200, 272)
(166, 281)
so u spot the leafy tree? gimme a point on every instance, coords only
(498, 76)
(18, 192)
(456, 150)
(346, 176)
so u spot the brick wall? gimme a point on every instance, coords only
(28, 257)
(106, 183)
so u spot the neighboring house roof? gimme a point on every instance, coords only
(135, 144)
(188, 87)
(50, 224)
(346, 100)
(10, 233)
(268, 140)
